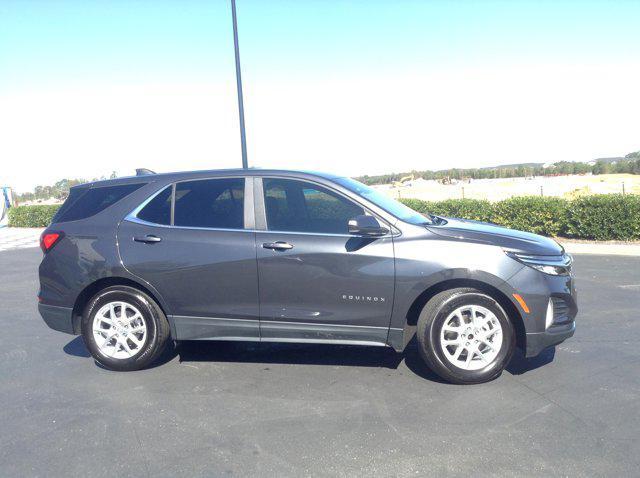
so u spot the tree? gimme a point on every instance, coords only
(629, 164)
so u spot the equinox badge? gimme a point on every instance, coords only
(362, 298)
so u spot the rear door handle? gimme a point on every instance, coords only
(278, 246)
(148, 239)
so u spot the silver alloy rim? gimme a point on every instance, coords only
(471, 337)
(119, 330)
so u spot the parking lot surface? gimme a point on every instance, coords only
(302, 410)
(19, 237)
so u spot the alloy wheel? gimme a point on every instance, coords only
(119, 330)
(471, 337)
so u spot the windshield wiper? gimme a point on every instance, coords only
(432, 220)
(435, 220)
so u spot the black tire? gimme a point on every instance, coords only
(432, 319)
(157, 326)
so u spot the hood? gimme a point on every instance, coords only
(485, 233)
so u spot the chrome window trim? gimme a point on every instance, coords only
(256, 180)
(146, 223)
(166, 226)
(324, 234)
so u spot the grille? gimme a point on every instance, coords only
(560, 311)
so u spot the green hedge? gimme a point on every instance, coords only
(602, 217)
(606, 217)
(32, 216)
(535, 214)
(464, 208)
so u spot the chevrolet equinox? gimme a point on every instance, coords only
(282, 256)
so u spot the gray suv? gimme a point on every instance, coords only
(283, 256)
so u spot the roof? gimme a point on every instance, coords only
(180, 175)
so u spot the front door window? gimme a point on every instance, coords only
(298, 206)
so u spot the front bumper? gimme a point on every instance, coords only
(58, 318)
(537, 289)
(538, 341)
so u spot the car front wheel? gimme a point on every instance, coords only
(465, 336)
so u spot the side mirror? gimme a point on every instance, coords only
(366, 226)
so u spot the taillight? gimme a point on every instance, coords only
(49, 239)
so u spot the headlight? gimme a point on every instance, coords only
(552, 265)
(552, 270)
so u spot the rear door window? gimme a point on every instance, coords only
(210, 203)
(92, 201)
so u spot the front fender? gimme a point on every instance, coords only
(424, 264)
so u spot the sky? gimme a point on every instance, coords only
(349, 87)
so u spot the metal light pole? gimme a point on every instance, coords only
(243, 138)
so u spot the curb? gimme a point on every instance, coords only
(602, 249)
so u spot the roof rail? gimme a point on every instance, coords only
(144, 172)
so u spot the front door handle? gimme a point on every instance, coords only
(278, 246)
(148, 239)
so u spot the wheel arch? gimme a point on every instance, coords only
(499, 296)
(93, 288)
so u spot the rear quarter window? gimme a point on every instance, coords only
(158, 210)
(87, 202)
(74, 195)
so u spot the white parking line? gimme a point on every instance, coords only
(630, 286)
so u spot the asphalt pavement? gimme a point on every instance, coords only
(19, 237)
(237, 409)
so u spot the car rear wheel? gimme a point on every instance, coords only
(465, 336)
(124, 328)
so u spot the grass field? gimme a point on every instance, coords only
(497, 189)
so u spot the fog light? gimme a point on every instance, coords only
(549, 318)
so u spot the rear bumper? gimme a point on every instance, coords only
(58, 318)
(538, 341)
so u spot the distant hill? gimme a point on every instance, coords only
(537, 165)
(516, 165)
(609, 160)
(629, 164)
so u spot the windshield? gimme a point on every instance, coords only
(383, 201)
